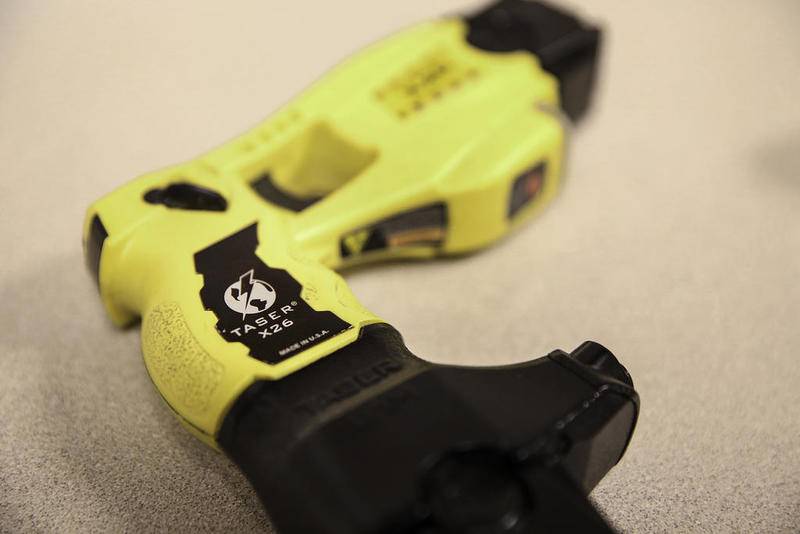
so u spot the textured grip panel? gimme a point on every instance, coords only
(176, 361)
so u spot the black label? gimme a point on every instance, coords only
(258, 305)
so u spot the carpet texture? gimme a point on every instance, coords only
(676, 243)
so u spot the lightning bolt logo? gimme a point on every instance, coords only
(245, 290)
(249, 295)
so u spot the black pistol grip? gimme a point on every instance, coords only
(374, 439)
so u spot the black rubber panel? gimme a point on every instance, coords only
(372, 439)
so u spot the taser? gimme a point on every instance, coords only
(436, 141)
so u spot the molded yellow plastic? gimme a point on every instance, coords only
(418, 118)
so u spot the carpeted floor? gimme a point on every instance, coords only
(676, 243)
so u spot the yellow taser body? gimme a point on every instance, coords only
(419, 145)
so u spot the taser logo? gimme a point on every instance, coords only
(247, 308)
(249, 296)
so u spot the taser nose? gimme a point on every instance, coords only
(565, 46)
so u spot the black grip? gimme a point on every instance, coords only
(372, 439)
